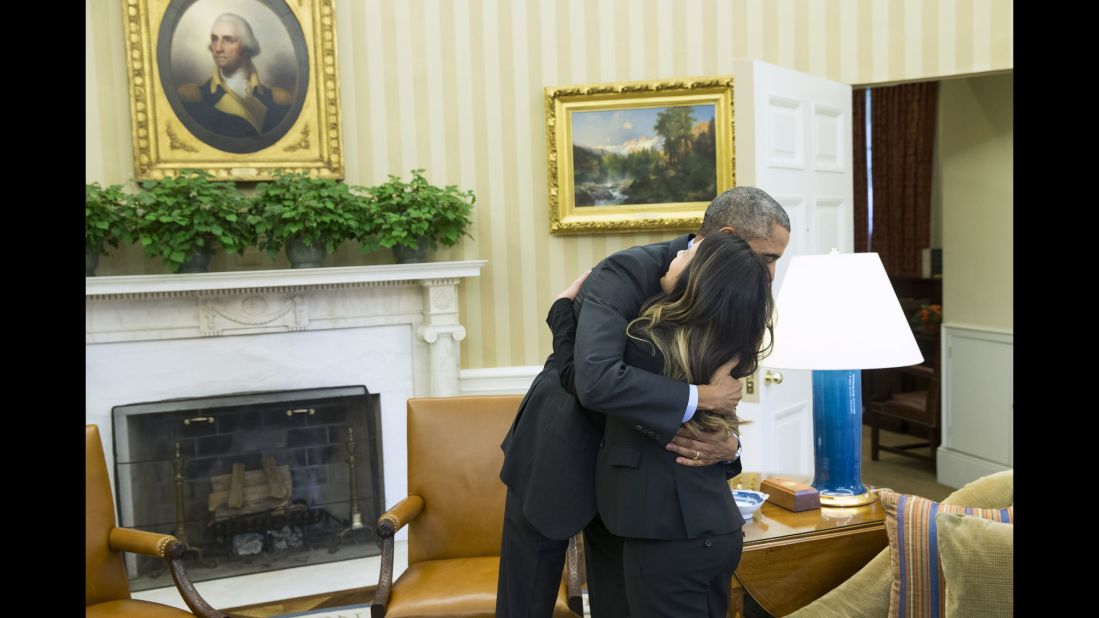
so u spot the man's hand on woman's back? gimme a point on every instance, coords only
(723, 393)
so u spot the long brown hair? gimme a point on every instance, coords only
(719, 307)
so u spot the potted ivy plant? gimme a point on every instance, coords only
(413, 218)
(106, 222)
(184, 218)
(307, 215)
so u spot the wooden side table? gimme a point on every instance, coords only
(791, 559)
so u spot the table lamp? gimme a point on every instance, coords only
(837, 314)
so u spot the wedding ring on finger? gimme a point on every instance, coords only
(698, 455)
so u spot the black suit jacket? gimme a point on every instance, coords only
(640, 491)
(550, 450)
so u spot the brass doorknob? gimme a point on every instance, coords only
(772, 377)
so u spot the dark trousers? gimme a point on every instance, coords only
(603, 566)
(531, 567)
(681, 578)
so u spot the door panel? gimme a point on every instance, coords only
(793, 140)
(786, 143)
(828, 222)
(828, 127)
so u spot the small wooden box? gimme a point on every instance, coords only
(791, 495)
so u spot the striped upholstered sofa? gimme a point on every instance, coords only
(866, 593)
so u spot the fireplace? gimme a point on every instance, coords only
(252, 481)
(164, 338)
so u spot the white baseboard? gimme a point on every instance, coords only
(497, 380)
(955, 469)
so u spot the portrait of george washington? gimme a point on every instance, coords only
(235, 72)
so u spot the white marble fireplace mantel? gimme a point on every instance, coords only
(163, 307)
(393, 328)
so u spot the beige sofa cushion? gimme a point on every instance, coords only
(995, 491)
(918, 588)
(977, 559)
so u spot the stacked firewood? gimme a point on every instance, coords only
(253, 491)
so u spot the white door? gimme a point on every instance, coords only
(793, 140)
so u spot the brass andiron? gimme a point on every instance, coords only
(192, 553)
(356, 516)
(181, 531)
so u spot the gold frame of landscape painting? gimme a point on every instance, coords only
(240, 88)
(637, 156)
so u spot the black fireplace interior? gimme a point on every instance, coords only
(251, 481)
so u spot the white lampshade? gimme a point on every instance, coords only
(839, 311)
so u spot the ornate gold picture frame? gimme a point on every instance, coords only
(638, 155)
(239, 88)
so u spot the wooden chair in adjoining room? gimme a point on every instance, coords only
(455, 514)
(106, 589)
(919, 406)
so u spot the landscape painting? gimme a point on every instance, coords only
(652, 155)
(631, 156)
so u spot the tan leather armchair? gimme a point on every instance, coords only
(455, 514)
(106, 589)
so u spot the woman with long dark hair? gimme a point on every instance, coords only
(680, 525)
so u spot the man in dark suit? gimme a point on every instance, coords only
(550, 450)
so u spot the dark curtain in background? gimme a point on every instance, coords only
(902, 120)
(858, 119)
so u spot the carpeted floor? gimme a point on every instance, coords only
(897, 472)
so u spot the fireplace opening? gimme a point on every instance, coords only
(251, 482)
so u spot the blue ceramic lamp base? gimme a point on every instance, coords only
(837, 438)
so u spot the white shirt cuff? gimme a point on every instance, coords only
(692, 403)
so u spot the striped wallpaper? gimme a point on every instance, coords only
(455, 86)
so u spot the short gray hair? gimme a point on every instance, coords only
(748, 210)
(247, 39)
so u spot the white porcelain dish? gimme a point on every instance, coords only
(749, 501)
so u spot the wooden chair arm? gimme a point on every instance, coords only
(398, 517)
(171, 550)
(380, 604)
(388, 524)
(572, 583)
